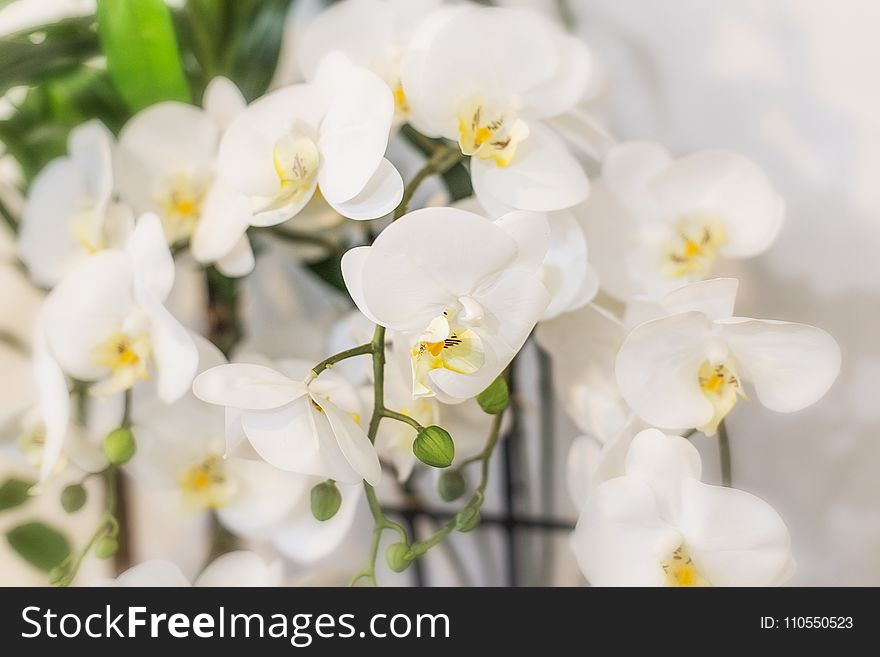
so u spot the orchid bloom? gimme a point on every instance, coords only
(105, 324)
(465, 292)
(70, 211)
(305, 427)
(659, 525)
(329, 135)
(664, 222)
(583, 346)
(182, 449)
(566, 271)
(488, 78)
(233, 569)
(687, 369)
(166, 163)
(372, 33)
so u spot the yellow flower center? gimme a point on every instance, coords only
(458, 349)
(489, 135)
(401, 103)
(207, 484)
(126, 356)
(31, 443)
(681, 571)
(721, 386)
(694, 249)
(87, 229)
(180, 199)
(296, 160)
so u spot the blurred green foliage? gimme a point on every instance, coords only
(56, 76)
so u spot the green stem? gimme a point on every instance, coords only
(360, 350)
(419, 548)
(724, 454)
(400, 417)
(8, 219)
(444, 158)
(300, 237)
(65, 573)
(378, 345)
(381, 522)
(126, 409)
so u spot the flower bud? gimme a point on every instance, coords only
(467, 519)
(106, 547)
(433, 446)
(451, 485)
(73, 497)
(397, 556)
(119, 446)
(494, 399)
(326, 500)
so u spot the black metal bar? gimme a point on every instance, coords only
(508, 445)
(490, 519)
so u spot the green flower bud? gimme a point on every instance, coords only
(397, 556)
(326, 500)
(494, 399)
(106, 547)
(433, 446)
(119, 446)
(467, 519)
(451, 485)
(73, 497)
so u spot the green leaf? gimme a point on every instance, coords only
(62, 47)
(257, 46)
(494, 399)
(137, 36)
(39, 545)
(13, 493)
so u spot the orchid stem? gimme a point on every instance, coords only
(419, 548)
(360, 350)
(444, 158)
(400, 417)
(724, 455)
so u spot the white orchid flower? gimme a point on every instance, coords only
(304, 539)
(330, 134)
(687, 369)
(105, 324)
(465, 291)
(664, 222)
(660, 525)
(166, 163)
(488, 78)
(566, 271)
(182, 449)
(233, 569)
(309, 428)
(372, 33)
(70, 211)
(583, 347)
(592, 460)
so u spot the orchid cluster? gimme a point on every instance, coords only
(287, 310)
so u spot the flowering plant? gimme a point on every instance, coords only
(295, 268)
